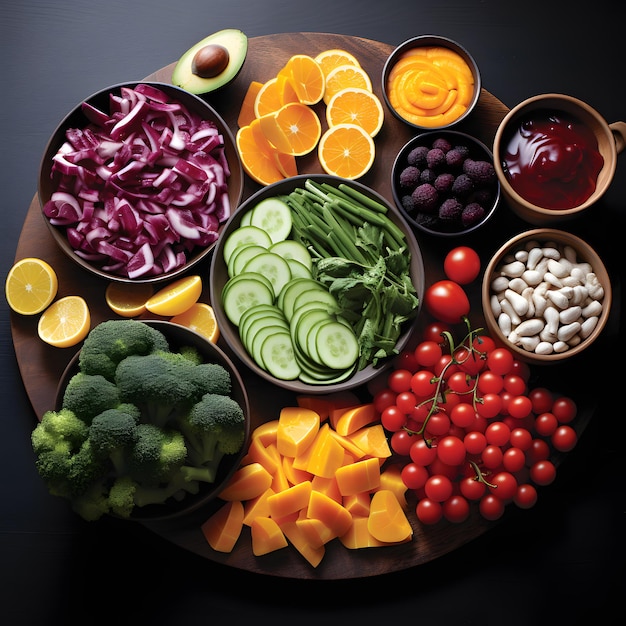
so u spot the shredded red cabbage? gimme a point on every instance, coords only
(142, 187)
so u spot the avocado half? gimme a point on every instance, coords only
(212, 62)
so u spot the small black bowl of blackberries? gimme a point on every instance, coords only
(444, 183)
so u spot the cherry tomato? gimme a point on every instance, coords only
(519, 407)
(500, 361)
(414, 476)
(456, 509)
(434, 332)
(406, 402)
(564, 409)
(546, 424)
(484, 344)
(421, 454)
(438, 424)
(490, 405)
(541, 399)
(543, 472)
(427, 353)
(423, 384)
(539, 450)
(471, 488)
(564, 438)
(491, 507)
(451, 450)
(525, 496)
(401, 442)
(491, 456)
(392, 418)
(428, 511)
(438, 488)
(513, 459)
(504, 485)
(462, 265)
(521, 438)
(463, 415)
(400, 380)
(469, 362)
(406, 360)
(447, 301)
(490, 382)
(383, 399)
(475, 442)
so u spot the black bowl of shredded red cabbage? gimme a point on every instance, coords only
(137, 181)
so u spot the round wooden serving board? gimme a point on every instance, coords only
(41, 365)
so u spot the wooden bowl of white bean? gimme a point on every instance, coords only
(546, 295)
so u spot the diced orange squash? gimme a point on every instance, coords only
(372, 440)
(349, 445)
(327, 454)
(299, 541)
(279, 479)
(359, 476)
(297, 428)
(387, 521)
(289, 500)
(357, 417)
(246, 483)
(316, 532)
(266, 432)
(246, 112)
(358, 504)
(327, 486)
(330, 512)
(257, 507)
(223, 528)
(267, 536)
(358, 536)
(266, 455)
(293, 474)
(391, 479)
(324, 404)
(336, 412)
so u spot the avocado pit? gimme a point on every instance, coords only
(210, 61)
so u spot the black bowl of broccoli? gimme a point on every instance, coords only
(150, 422)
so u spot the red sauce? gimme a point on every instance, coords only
(552, 160)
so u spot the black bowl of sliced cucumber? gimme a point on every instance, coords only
(316, 283)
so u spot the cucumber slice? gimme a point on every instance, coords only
(249, 318)
(257, 340)
(242, 292)
(279, 357)
(292, 249)
(294, 284)
(272, 266)
(245, 235)
(302, 323)
(298, 270)
(336, 344)
(312, 288)
(323, 298)
(273, 215)
(241, 256)
(257, 323)
(245, 218)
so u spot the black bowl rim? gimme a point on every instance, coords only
(424, 40)
(394, 173)
(175, 334)
(52, 145)
(368, 373)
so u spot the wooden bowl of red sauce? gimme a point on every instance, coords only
(555, 157)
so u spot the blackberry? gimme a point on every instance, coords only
(462, 185)
(435, 158)
(425, 197)
(482, 172)
(428, 176)
(472, 214)
(409, 177)
(443, 182)
(427, 220)
(417, 156)
(455, 158)
(442, 143)
(408, 203)
(450, 209)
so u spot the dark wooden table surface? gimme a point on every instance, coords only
(562, 562)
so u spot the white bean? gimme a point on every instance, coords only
(567, 331)
(513, 269)
(504, 322)
(558, 268)
(518, 284)
(558, 299)
(569, 315)
(518, 302)
(499, 284)
(544, 347)
(530, 327)
(593, 309)
(587, 327)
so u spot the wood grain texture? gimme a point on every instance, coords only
(41, 365)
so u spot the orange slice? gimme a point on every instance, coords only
(356, 106)
(307, 78)
(30, 286)
(65, 322)
(200, 317)
(334, 57)
(177, 297)
(346, 76)
(273, 94)
(246, 112)
(294, 129)
(258, 163)
(346, 150)
(128, 300)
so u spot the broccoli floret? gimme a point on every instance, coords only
(161, 384)
(122, 496)
(93, 503)
(192, 354)
(156, 454)
(111, 341)
(112, 434)
(59, 429)
(89, 394)
(212, 378)
(214, 427)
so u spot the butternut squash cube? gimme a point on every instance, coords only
(387, 521)
(330, 512)
(289, 500)
(356, 417)
(327, 454)
(266, 432)
(358, 504)
(266, 536)
(316, 532)
(297, 428)
(391, 479)
(293, 474)
(359, 476)
(266, 455)
(299, 541)
(358, 536)
(372, 440)
(257, 507)
(246, 483)
(223, 528)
